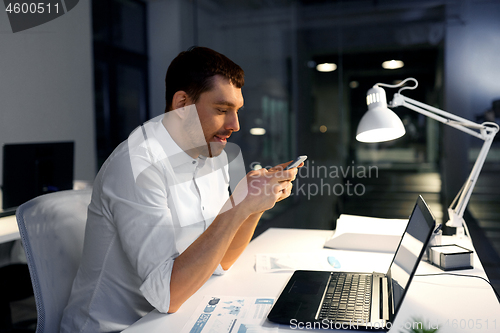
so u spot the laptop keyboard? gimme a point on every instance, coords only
(348, 298)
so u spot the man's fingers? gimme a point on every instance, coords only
(289, 174)
(286, 192)
(275, 168)
(281, 166)
(288, 189)
(283, 175)
(284, 165)
(281, 186)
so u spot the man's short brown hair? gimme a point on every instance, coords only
(192, 71)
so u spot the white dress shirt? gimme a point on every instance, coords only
(150, 202)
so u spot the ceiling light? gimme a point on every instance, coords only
(393, 64)
(257, 131)
(326, 67)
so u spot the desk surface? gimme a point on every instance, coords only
(8, 229)
(454, 304)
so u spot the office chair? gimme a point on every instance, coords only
(52, 228)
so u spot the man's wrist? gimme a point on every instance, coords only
(242, 212)
(239, 212)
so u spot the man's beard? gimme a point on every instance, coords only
(215, 148)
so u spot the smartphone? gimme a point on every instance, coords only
(296, 162)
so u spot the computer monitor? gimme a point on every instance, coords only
(33, 169)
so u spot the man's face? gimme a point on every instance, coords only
(218, 113)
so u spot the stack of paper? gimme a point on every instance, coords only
(364, 233)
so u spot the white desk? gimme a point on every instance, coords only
(8, 229)
(456, 304)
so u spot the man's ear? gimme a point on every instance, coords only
(179, 100)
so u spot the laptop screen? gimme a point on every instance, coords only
(409, 253)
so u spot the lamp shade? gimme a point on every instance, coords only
(379, 123)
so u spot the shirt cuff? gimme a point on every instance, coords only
(219, 270)
(156, 287)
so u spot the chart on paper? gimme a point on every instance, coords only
(230, 314)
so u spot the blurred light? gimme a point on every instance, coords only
(257, 167)
(353, 84)
(257, 131)
(323, 129)
(326, 67)
(393, 64)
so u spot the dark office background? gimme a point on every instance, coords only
(107, 77)
(448, 46)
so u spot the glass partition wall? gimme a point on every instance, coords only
(300, 110)
(308, 65)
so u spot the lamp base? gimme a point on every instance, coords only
(460, 233)
(458, 222)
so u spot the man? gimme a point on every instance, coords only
(161, 220)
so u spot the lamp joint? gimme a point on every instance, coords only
(397, 100)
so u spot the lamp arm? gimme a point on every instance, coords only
(439, 115)
(486, 133)
(465, 194)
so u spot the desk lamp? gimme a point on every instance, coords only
(381, 124)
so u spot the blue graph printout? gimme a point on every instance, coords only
(229, 314)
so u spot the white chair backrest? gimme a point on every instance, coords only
(52, 228)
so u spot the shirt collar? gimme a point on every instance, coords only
(177, 157)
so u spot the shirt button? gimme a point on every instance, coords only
(194, 162)
(203, 207)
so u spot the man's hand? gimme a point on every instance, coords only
(231, 231)
(281, 167)
(261, 189)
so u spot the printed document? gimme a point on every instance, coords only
(231, 314)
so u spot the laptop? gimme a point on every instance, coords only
(356, 301)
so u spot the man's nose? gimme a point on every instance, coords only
(232, 122)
